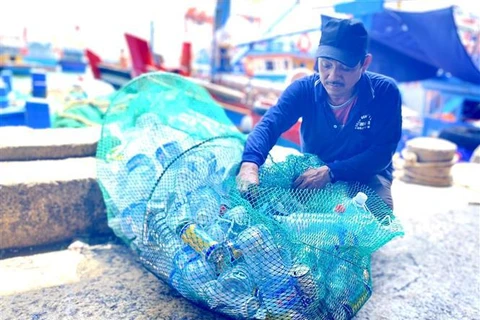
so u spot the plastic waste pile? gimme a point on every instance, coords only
(167, 161)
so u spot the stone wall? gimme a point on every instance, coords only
(48, 188)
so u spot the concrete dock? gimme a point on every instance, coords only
(433, 272)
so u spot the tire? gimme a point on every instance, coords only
(465, 137)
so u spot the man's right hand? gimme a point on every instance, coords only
(247, 176)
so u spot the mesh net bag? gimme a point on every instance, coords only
(167, 161)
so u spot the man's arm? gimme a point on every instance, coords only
(276, 120)
(385, 140)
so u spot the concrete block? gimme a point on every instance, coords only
(23, 143)
(49, 201)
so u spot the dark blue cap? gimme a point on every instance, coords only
(344, 40)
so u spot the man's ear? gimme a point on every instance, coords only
(366, 63)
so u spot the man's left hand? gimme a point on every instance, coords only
(313, 178)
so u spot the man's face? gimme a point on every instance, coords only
(337, 78)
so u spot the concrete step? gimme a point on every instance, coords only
(88, 282)
(49, 201)
(23, 143)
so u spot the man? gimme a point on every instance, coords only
(351, 118)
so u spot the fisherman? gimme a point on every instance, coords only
(351, 118)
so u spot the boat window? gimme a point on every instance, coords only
(471, 109)
(286, 64)
(269, 65)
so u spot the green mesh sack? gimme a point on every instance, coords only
(167, 161)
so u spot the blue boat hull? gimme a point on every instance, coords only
(17, 70)
(73, 66)
(116, 77)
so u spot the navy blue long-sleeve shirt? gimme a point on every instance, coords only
(362, 148)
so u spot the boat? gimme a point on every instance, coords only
(21, 56)
(115, 74)
(237, 97)
(142, 62)
(12, 50)
(73, 60)
(41, 55)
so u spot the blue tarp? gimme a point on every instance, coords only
(410, 46)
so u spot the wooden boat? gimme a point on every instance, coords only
(114, 74)
(237, 102)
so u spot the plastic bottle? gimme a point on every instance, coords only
(238, 219)
(167, 152)
(238, 280)
(356, 205)
(131, 222)
(181, 259)
(200, 164)
(340, 280)
(319, 230)
(160, 235)
(218, 231)
(177, 211)
(217, 178)
(269, 269)
(191, 273)
(197, 272)
(361, 227)
(141, 177)
(260, 252)
(218, 296)
(205, 205)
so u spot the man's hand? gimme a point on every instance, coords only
(313, 178)
(247, 176)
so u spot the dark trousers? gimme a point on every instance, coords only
(383, 187)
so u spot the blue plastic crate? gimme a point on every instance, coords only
(12, 116)
(37, 113)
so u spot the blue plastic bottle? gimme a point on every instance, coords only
(361, 227)
(197, 272)
(269, 270)
(261, 253)
(141, 177)
(238, 219)
(228, 295)
(132, 220)
(167, 152)
(319, 230)
(205, 205)
(238, 280)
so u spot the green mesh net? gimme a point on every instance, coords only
(167, 161)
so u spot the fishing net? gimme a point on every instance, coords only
(80, 112)
(167, 161)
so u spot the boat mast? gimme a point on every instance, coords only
(222, 13)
